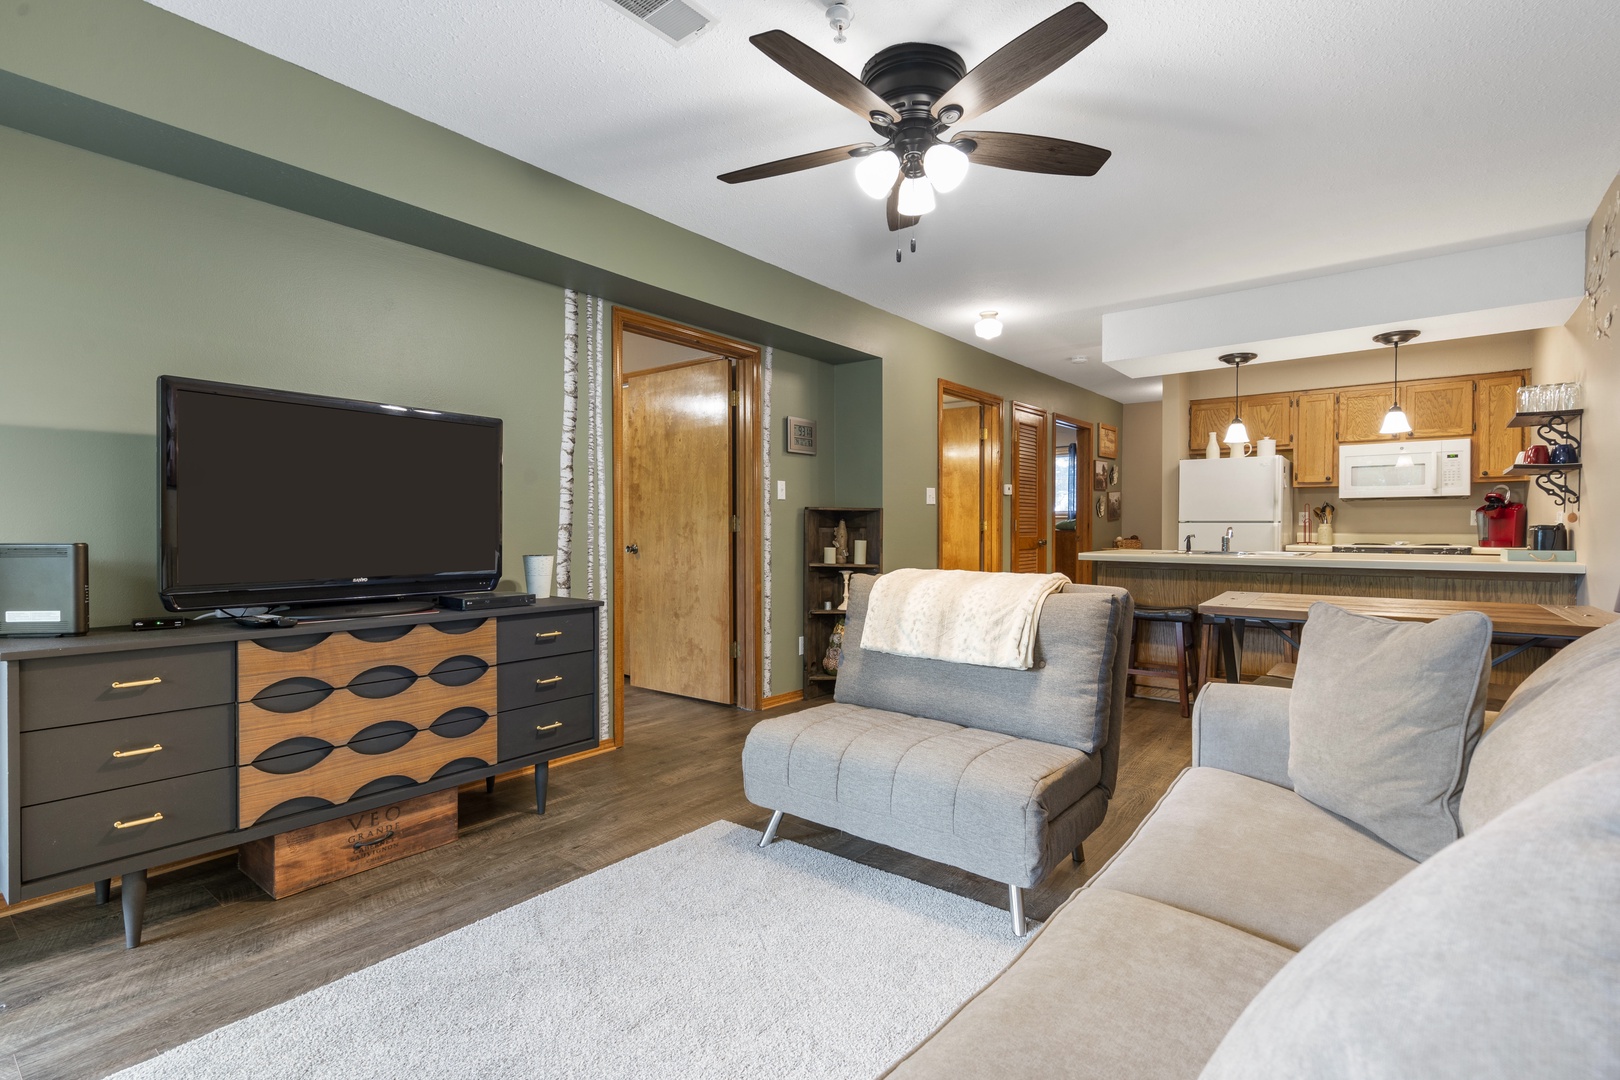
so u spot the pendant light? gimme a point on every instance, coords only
(1237, 433)
(1395, 421)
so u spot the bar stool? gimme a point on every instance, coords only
(1185, 621)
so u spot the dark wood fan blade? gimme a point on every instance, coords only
(822, 74)
(1034, 153)
(1022, 62)
(898, 221)
(794, 164)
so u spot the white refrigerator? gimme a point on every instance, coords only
(1253, 496)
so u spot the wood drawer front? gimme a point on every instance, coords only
(339, 658)
(85, 689)
(534, 682)
(60, 763)
(70, 833)
(539, 728)
(343, 716)
(346, 773)
(532, 636)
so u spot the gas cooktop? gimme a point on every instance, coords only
(1402, 549)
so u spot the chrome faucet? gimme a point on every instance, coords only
(1186, 543)
(1226, 541)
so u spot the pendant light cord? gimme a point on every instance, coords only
(1395, 383)
(1237, 370)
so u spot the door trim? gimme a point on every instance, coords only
(748, 479)
(1083, 495)
(990, 470)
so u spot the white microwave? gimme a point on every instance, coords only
(1421, 469)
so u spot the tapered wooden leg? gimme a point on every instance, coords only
(1206, 653)
(542, 776)
(1079, 854)
(1181, 670)
(104, 890)
(133, 888)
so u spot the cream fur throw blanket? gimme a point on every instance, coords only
(964, 616)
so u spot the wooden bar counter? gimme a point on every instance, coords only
(1176, 579)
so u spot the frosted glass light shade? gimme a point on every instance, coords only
(946, 166)
(1395, 422)
(988, 325)
(875, 173)
(1237, 433)
(916, 196)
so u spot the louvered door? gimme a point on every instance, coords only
(1029, 508)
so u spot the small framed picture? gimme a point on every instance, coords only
(1113, 506)
(1113, 476)
(1107, 441)
(1099, 476)
(801, 436)
(1100, 506)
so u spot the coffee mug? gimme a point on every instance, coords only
(1518, 459)
(1537, 455)
(1564, 454)
(1267, 448)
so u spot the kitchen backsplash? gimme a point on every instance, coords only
(1421, 521)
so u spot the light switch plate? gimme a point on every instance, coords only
(1006, 489)
(781, 490)
(801, 644)
(929, 497)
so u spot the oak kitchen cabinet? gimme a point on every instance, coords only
(1437, 409)
(1316, 439)
(1267, 416)
(1496, 400)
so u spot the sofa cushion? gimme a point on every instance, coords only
(1113, 986)
(1252, 855)
(1383, 718)
(1565, 716)
(976, 799)
(1499, 957)
(1064, 700)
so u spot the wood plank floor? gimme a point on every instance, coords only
(76, 1004)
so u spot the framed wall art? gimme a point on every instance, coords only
(1107, 441)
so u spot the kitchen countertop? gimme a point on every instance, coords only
(1326, 560)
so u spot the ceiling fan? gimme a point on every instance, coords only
(912, 93)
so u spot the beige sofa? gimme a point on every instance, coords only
(1498, 956)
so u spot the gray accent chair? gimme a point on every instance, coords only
(1002, 773)
(1243, 933)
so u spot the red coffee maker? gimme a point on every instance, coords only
(1501, 523)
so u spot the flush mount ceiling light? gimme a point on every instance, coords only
(912, 94)
(1395, 421)
(988, 325)
(1237, 433)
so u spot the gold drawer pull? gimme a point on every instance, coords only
(548, 634)
(142, 821)
(548, 682)
(154, 748)
(153, 681)
(553, 726)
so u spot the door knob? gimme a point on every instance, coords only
(633, 549)
(1041, 542)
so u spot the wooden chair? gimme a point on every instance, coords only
(1186, 671)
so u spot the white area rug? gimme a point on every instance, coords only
(705, 957)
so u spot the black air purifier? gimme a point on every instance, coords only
(44, 589)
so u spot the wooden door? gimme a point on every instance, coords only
(1316, 447)
(1268, 416)
(678, 530)
(1030, 509)
(961, 487)
(1439, 408)
(1203, 417)
(1361, 413)
(1496, 399)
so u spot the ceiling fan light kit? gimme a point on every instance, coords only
(1395, 421)
(911, 93)
(988, 326)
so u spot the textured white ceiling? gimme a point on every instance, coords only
(1254, 140)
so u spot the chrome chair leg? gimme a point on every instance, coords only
(770, 830)
(1015, 897)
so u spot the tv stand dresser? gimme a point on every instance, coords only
(126, 750)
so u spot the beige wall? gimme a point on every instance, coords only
(1420, 520)
(1141, 476)
(1576, 353)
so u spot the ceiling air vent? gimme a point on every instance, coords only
(676, 21)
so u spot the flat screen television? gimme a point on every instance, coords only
(269, 498)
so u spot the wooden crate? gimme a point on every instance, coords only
(294, 861)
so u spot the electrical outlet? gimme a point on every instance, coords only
(781, 490)
(801, 644)
(929, 496)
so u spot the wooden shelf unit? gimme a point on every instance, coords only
(824, 581)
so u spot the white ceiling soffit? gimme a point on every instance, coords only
(1525, 285)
